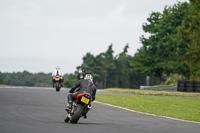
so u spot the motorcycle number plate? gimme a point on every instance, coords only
(85, 100)
(57, 79)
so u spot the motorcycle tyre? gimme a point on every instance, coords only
(78, 114)
(57, 86)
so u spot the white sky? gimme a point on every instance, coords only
(38, 35)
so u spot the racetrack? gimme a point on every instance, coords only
(42, 110)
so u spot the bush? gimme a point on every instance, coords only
(173, 79)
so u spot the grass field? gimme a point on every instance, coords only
(187, 108)
(151, 92)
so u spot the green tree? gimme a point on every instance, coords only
(123, 69)
(108, 67)
(98, 71)
(26, 78)
(161, 50)
(70, 80)
(191, 35)
(93, 65)
(1, 78)
(101, 67)
(88, 63)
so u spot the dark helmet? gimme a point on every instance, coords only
(80, 70)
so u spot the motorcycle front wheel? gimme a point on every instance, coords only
(57, 85)
(78, 114)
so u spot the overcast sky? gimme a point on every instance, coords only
(38, 35)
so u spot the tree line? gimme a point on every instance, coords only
(26, 78)
(107, 70)
(169, 52)
(173, 44)
(111, 71)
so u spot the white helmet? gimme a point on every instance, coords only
(57, 68)
(88, 77)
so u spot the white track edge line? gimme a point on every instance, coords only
(147, 113)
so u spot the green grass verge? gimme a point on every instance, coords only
(187, 108)
(151, 92)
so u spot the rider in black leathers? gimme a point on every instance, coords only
(81, 74)
(85, 85)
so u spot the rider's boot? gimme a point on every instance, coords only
(69, 106)
(85, 116)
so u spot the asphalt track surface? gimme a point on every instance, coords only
(42, 110)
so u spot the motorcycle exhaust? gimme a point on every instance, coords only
(89, 106)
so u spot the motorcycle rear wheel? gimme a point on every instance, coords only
(78, 114)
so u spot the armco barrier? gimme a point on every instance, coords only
(197, 86)
(181, 85)
(160, 88)
(188, 86)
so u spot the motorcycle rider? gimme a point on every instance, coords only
(57, 72)
(81, 74)
(85, 86)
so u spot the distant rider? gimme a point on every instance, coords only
(81, 74)
(57, 72)
(86, 86)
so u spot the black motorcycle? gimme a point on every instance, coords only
(57, 83)
(80, 108)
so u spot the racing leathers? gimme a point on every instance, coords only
(58, 73)
(85, 86)
(81, 75)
